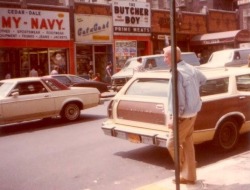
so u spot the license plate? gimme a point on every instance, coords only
(134, 138)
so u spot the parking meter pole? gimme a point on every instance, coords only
(175, 94)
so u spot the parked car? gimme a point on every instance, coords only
(138, 111)
(228, 58)
(73, 80)
(25, 99)
(156, 62)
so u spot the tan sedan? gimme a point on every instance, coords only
(25, 99)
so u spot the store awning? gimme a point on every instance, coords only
(221, 37)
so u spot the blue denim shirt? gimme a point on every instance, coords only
(189, 81)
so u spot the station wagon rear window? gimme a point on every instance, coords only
(149, 87)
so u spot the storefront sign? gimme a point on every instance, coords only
(243, 36)
(93, 28)
(33, 24)
(81, 1)
(215, 41)
(125, 48)
(131, 17)
(242, 2)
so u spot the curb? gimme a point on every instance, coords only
(230, 173)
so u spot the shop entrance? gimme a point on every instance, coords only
(19, 61)
(92, 59)
(103, 55)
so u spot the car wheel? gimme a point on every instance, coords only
(227, 135)
(71, 112)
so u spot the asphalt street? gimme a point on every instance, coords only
(51, 155)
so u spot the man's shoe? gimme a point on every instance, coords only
(185, 181)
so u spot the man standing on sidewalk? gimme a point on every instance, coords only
(188, 83)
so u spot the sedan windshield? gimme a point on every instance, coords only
(216, 58)
(128, 63)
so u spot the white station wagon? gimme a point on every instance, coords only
(24, 99)
(138, 111)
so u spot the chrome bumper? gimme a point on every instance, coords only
(137, 135)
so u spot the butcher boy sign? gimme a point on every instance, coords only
(131, 17)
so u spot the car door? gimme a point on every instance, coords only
(34, 101)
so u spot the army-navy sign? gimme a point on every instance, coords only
(33, 24)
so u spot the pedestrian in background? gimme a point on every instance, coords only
(97, 77)
(189, 81)
(91, 74)
(55, 70)
(201, 58)
(108, 71)
(8, 76)
(33, 72)
(140, 67)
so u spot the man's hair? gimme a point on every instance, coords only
(167, 50)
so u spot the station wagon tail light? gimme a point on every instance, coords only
(109, 109)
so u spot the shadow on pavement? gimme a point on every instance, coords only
(43, 124)
(234, 186)
(200, 185)
(205, 153)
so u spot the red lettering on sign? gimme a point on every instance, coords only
(43, 24)
(34, 23)
(46, 24)
(59, 23)
(16, 21)
(51, 24)
(7, 22)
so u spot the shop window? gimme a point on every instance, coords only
(4, 56)
(19, 61)
(141, 48)
(100, 49)
(43, 63)
(58, 57)
(4, 60)
(34, 57)
(24, 62)
(84, 63)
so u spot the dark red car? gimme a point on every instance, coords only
(73, 80)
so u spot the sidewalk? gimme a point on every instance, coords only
(230, 174)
